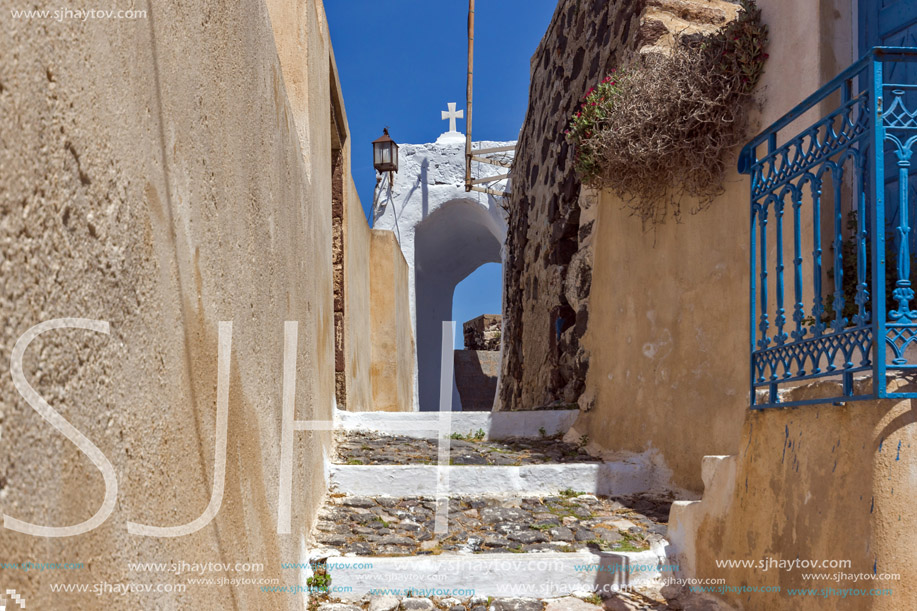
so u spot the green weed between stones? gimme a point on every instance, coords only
(320, 581)
(471, 436)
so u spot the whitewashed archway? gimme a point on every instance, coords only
(445, 234)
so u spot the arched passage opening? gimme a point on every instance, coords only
(451, 243)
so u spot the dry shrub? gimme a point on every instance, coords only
(658, 129)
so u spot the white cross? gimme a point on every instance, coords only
(452, 115)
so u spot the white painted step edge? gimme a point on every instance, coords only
(426, 425)
(526, 575)
(609, 478)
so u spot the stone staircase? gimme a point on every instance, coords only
(474, 511)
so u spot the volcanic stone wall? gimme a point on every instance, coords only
(548, 265)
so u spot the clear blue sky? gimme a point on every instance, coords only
(401, 61)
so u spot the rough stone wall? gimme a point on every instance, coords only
(663, 20)
(547, 273)
(483, 332)
(338, 275)
(164, 174)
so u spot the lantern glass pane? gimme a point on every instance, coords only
(386, 153)
(377, 154)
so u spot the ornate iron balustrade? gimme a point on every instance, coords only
(827, 211)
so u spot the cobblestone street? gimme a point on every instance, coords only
(569, 522)
(356, 448)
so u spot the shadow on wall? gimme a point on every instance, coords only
(476, 374)
(456, 239)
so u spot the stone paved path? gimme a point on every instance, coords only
(356, 448)
(569, 522)
(400, 526)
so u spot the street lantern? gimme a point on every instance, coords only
(385, 153)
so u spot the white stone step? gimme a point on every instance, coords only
(608, 478)
(496, 425)
(719, 477)
(527, 575)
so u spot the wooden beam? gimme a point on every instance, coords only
(502, 164)
(496, 149)
(490, 191)
(478, 181)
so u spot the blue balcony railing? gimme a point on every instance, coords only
(831, 214)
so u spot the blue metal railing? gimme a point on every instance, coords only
(827, 211)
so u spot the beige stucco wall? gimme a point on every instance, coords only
(392, 368)
(357, 303)
(164, 174)
(379, 340)
(668, 319)
(827, 482)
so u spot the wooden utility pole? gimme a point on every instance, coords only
(468, 95)
(480, 154)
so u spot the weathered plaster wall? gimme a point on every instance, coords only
(164, 174)
(392, 366)
(827, 482)
(357, 257)
(667, 335)
(378, 340)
